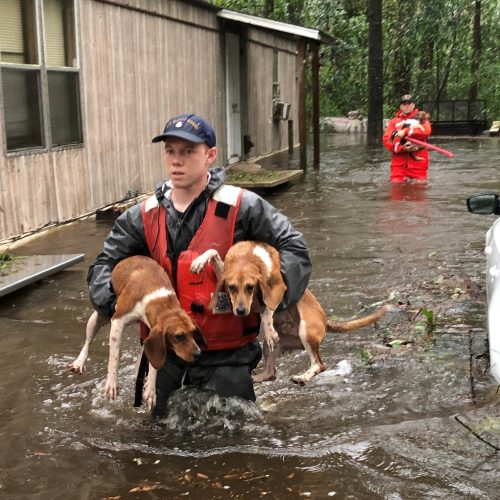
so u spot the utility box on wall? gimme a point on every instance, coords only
(281, 110)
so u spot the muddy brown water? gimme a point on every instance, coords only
(384, 429)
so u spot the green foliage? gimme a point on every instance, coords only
(429, 316)
(427, 47)
(6, 260)
(366, 356)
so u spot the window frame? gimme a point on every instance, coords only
(43, 69)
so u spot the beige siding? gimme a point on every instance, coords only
(267, 135)
(138, 69)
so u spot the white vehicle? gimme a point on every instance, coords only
(487, 204)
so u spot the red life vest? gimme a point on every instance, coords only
(220, 331)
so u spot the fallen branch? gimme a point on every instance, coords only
(476, 434)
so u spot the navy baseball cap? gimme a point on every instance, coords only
(189, 127)
(407, 98)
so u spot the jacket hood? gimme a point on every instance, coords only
(216, 177)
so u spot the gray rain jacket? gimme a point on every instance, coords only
(257, 220)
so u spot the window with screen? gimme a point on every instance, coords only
(40, 88)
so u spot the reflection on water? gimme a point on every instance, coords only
(409, 191)
(384, 430)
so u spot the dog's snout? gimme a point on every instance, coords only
(240, 310)
(196, 354)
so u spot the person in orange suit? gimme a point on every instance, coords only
(409, 162)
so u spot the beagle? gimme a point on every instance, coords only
(144, 293)
(251, 277)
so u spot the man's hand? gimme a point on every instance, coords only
(401, 133)
(410, 148)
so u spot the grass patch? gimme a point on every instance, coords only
(261, 176)
(6, 260)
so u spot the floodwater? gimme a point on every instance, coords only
(379, 423)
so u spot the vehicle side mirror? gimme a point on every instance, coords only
(484, 204)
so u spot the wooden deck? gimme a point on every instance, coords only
(253, 176)
(262, 179)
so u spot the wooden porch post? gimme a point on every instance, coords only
(315, 102)
(301, 87)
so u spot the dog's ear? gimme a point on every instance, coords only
(199, 339)
(155, 348)
(221, 287)
(272, 291)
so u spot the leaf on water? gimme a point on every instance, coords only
(201, 476)
(242, 476)
(429, 316)
(147, 487)
(290, 476)
(138, 461)
(365, 355)
(263, 476)
(489, 424)
(396, 343)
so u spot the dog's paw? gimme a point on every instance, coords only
(263, 377)
(111, 389)
(76, 367)
(297, 379)
(149, 399)
(198, 264)
(271, 339)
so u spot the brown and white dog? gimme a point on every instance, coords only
(144, 293)
(251, 276)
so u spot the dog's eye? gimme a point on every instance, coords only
(180, 338)
(232, 289)
(249, 288)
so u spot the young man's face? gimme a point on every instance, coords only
(187, 163)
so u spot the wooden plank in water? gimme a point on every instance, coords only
(25, 270)
(262, 178)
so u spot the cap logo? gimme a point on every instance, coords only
(178, 124)
(193, 124)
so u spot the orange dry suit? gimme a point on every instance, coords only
(222, 330)
(405, 165)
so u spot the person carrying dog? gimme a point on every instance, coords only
(408, 161)
(192, 211)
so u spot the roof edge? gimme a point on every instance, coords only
(270, 24)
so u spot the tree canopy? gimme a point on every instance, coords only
(439, 49)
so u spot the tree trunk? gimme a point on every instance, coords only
(401, 74)
(268, 8)
(375, 71)
(476, 50)
(295, 11)
(446, 73)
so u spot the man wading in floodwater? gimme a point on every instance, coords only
(408, 161)
(191, 212)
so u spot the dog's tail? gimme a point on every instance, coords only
(356, 324)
